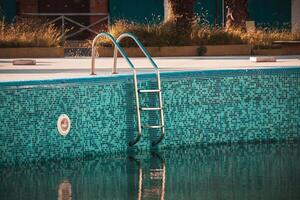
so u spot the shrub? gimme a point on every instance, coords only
(264, 38)
(33, 33)
(29, 33)
(163, 34)
(201, 50)
(216, 36)
(166, 34)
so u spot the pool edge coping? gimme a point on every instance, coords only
(164, 74)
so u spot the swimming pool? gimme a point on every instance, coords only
(253, 171)
(201, 108)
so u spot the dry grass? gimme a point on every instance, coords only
(32, 33)
(150, 35)
(165, 34)
(264, 38)
(29, 33)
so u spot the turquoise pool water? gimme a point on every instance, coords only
(253, 171)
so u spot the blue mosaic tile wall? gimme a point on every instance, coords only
(203, 107)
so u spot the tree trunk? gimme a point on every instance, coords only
(181, 13)
(239, 11)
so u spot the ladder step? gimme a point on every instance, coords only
(148, 91)
(149, 126)
(146, 109)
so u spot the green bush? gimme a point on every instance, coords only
(201, 50)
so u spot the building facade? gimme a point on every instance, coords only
(265, 13)
(12, 8)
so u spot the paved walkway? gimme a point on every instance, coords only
(80, 67)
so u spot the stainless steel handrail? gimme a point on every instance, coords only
(140, 45)
(163, 181)
(145, 52)
(141, 175)
(123, 53)
(117, 46)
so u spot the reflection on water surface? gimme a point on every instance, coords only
(265, 171)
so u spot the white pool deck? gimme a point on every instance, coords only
(80, 67)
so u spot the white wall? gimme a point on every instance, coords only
(295, 15)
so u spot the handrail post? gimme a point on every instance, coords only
(119, 48)
(63, 24)
(93, 60)
(63, 27)
(114, 70)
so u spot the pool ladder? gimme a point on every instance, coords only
(156, 174)
(137, 91)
